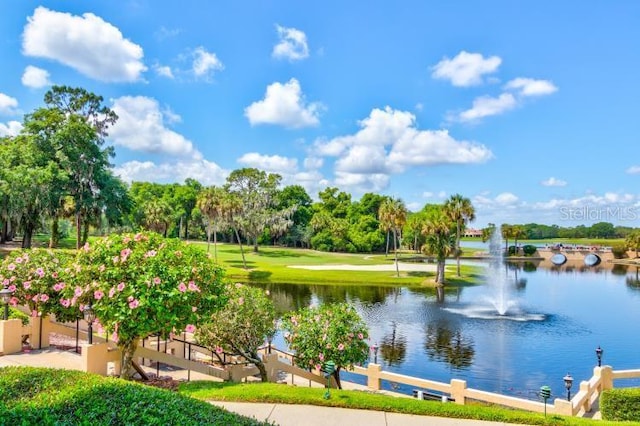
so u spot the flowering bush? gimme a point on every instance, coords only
(242, 326)
(332, 332)
(35, 277)
(144, 284)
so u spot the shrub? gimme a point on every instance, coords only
(619, 251)
(529, 249)
(44, 396)
(511, 251)
(620, 404)
(18, 314)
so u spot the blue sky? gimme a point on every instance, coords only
(530, 109)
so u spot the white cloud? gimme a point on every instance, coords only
(141, 127)
(552, 181)
(269, 163)
(429, 194)
(205, 63)
(633, 170)
(465, 69)
(486, 106)
(292, 45)
(531, 87)
(163, 71)
(371, 182)
(205, 172)
(506, 198)
(12, 128)
(35, 77)
(86, 43)
(8, 105)
(284, 104)
(313, 163)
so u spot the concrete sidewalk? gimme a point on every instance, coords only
(281, 414)
(312, 415)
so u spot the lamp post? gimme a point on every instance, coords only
(375, 348)
(5, 294)
(89, 317)
(269, 340)
(599, 355)
(568, 382)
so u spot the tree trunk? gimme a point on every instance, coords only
(85, 232)
(395, 251)
(186, 229)
(78, 230)
(5, 232)
(386, 250)
(255, 244)
(215, 244)
(244, 261)
(208, 235)
(440, 272)
(55, 233)
(336, 375)
(458, 246)
(128, 349)
(28, 233)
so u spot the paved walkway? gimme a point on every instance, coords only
(281, 414)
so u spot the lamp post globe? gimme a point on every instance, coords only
(89, 317)
(568, 382)
(599, 352)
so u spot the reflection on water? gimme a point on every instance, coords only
(419, 332)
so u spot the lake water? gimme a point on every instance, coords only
(423, 335)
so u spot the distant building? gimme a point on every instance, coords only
(470, 232)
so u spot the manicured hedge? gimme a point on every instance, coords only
(41, 396)
(529, 249)
(620, 404)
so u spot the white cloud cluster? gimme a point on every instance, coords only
(389, 142)
(269, 163)
(292, 44)
(141, 127)
(502, 200)
(164, 71)
(35, 77)
(284, 105)
(552, 181)
(8, 105)
(466, 69)
(12, 128)
(633, 170)
(205, 172)
(205, 63)
(86, 43)
(517, 90)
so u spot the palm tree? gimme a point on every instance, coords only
(440, 240)
(633, 241)
(517, 232)
(507, 232)
(393, 216)
(460, 210)
(231, 208)
(157, 216)
(210, 202)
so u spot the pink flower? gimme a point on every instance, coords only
(65, 302)
(101, 268)
(77, 292)
(137, 237)
(11, 288)
(241, 301)
(157, 280)
(150, 253)
(35, 298)
(125, 252)
(114, 336)
(11, 267)
(193, 309)
(13, 301)
(126, 240)
(193, 286)
(116, 259)
(44, 298)
(112, 291)
(120, 286)
(190, 328)
(58, 286)
(321, 356)
(18, 260)
(218, 349)
(6, 282)
(340, 347)
(182, 288)
(360, 336)
(86, 247)
(54, 275)
(26, 285)
(98, 294)
(134, 304)
(318, 366)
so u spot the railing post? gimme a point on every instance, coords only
(39, 332)
(373, 376)
(458, 390)
(562, 407)
(584, 387)
(94, 358)
(606, 376)
(10, 336)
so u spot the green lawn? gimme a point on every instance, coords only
(271, 264)
(277, 393)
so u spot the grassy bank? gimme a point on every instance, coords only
(277, 393)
